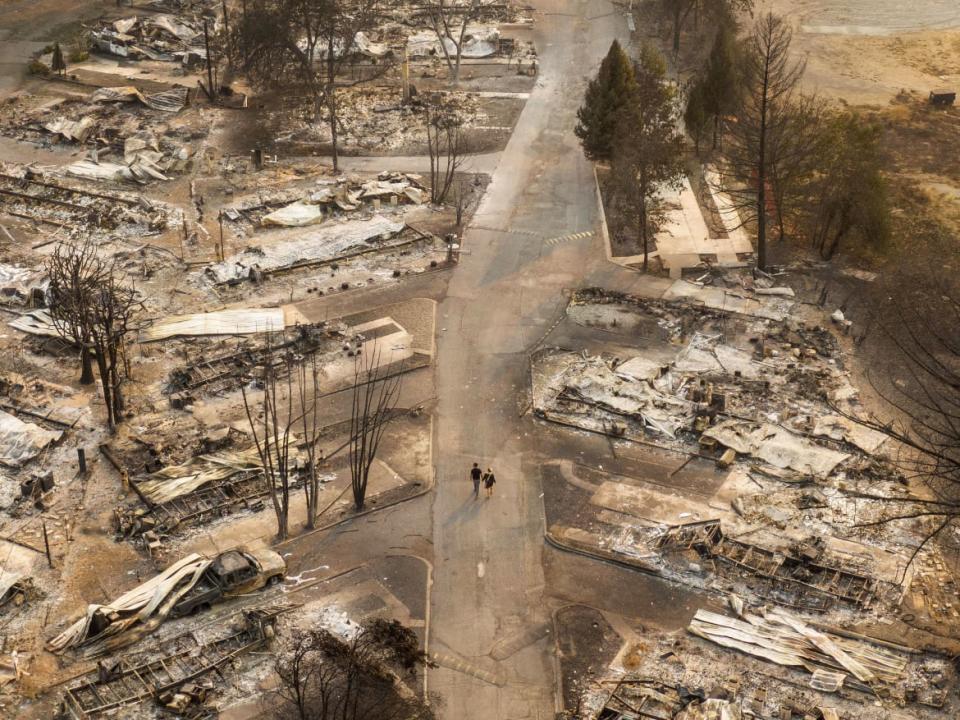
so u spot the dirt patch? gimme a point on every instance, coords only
(586, 644)
(872, 70)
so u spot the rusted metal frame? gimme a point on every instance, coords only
(713, 544)
(226, 503)
(43, 200)
(248, 638)
(806, 586)
(76, 191)
(18, 410)
(256, 639)
(340, 258)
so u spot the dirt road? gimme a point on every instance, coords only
(28, 25)
(864, 52)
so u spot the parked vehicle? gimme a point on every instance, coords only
(235, 572)
(190, 585)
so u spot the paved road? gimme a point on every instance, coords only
(489, 620)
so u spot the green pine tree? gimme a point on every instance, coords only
(59, 66)
(605, 97)
(649, 157)
(695, 113)
(721, 78)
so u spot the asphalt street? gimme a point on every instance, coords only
(489, 609)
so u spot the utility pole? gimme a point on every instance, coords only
(226, 30)
(405, 76)
(243, 34)
(206, 45)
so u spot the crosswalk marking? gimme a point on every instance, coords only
(572, 236)
(452, 663)
(528, 233)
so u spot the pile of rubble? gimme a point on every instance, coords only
(753, 391)
(128, 140)
(37, 194)
(161, 36)
(179, 675)
(296, 207)
(374, 120)
(329, 243)
(760, 388)
(787, 667)
(772, 405)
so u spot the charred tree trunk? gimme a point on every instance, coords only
(86, 366)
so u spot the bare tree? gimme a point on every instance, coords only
(73, 269)
(770, 79)
(91, 307)
(446, 145)
(310, 41)
(112, 305)
(271, 423)
(308, 386)
(375, 396)
(718, 11)
(297, 670)
(796, 159)
(915, 369)
(325, 677)
(449, 21)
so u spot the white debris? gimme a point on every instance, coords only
(241, 321)
(838, 427)
(295, 214)
(325, 243)
(639, 368)
(21, 441)
(777, 446)
(77, 130)
(480, 41)
(140, 170)
(336, 621)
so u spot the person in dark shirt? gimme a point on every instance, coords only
(475, 475)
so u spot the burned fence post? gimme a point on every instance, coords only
(82, 460)
(220, 220)
(206, 44)
(46, 542)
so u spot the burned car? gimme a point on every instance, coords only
(190, 585)
(232, 573)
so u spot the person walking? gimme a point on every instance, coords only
(489, 480)
(475, 475)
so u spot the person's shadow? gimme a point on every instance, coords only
(467, 510)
